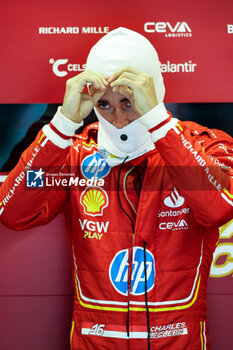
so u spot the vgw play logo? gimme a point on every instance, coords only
(118, 271)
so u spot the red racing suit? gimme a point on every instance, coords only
(141, 241)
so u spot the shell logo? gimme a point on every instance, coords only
(94, 200)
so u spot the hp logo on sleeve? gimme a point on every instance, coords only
(118, 271)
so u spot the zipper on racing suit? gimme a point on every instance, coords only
(130, 254)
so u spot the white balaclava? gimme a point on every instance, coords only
(119, 48)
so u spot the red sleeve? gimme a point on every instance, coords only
(200, 165)
(22, 207)
(25, 200)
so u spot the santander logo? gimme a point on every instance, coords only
(174, 200)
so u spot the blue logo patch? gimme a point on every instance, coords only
(118, 271)
(35, 178)
(94, 166)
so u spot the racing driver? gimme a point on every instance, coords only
(143, 234)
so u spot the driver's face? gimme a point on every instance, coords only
(116, 109)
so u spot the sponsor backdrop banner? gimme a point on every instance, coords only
(44, 43)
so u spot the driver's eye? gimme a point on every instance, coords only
(103, 105)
